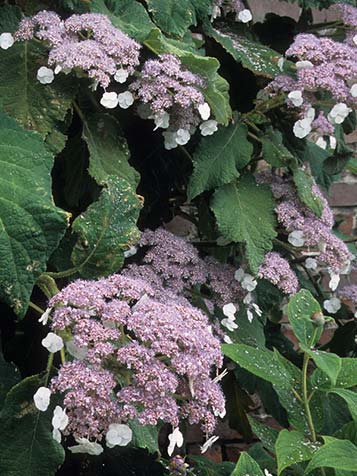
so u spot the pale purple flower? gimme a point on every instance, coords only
(277, 270)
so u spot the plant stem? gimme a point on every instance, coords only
(47, 285)
(48, 367)
(306, 398)
(63, 355)
(253, 136)
(36, 308)
(62, 274)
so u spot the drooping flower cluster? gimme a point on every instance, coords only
(306, 230)
(277, 270)
(171, 96)
(87, 42)
(325, 69)
(141, 353)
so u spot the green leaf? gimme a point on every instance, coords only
(205, 467)
(328, 362)
(109, 152)
(247, 466)
(350, 398)
(36, 106)
(245, 213)
(144, 436)
(129, 16)
(250, 333)
(304, 184)
(347, 376)
(30, 225)
(292, 447)
(175, 17)
(106, 229)
(259, 362)
(338, 454)
(218, 158)
(266, 434)
(258, 58)
(316, 157)
(301, 309)
(27, 447)
(216, 92)
(9, 376)
(274, 151)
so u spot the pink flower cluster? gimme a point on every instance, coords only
(165, 86)
(349, 293)
(326, 67)
(87, 42)
(140, 353)
(317, 232)
(277, 270)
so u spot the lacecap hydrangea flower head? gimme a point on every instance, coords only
(323, 67)
(140, 353)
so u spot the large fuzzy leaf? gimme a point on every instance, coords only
(258, 58)
(247, 466)
(337, 454)
(9, 376)
(291, 447)
(245, 213)
(219, 157)
(36, 106)
(127, 15)
(304, 184)
(175, 17)
(30, 224)
(27, 447)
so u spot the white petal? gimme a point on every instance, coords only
(121, 76)
(332, 305)
(56, 435)
(208, 443)
(353, 90)
(86, 446)
(42, 398)
(303, 64)
(118, 434)
(321, 143)
(296, 98)
(182, 136)
(311, 263)
(44, 318)
(59, 419)
(250, 315)
(296, 238)
(245, 16)
(6, 40)
(175, 439)
(125, 99)
(239, 274)
(334, 281)
(302, 128)
(204, 110)
(45, 75)
(229, 309)
(109, 100)
(52, 342)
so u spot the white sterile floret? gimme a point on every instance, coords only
(144, 111)
(333, 142)
(121, 76)
(58, 69)
(354, 39)
(170, 140)
(296, 238)
(311, 263)
(239, 274)
(109, 100)
(208, 128)
(118, 435)
(303, 64)
(229, 310)
(52, 342)
(321, 143)
(353, 90)
(296, 97)
(130, 252)
(162, 120)
(266, 473)
(125, 99)
(229, 324)
(45, 316)
(245, 15)
(302, 128)
(257, 309)
(207, 444)
(338, 113)
(281, 62)
(175, 439)
(45, 75)
(6, 40)
(227, 340)
(56, 435)
(248, 298)
(250, 315)
(332, 305)
(249, 283)
(334, 281)
(204, 110)
(42, 398)
(59, 419)
(86, 446)
(182, 136)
